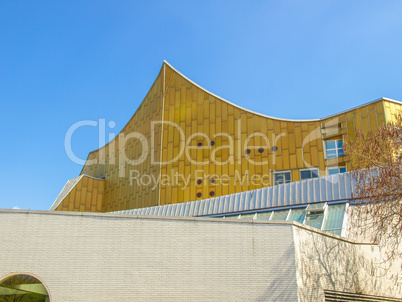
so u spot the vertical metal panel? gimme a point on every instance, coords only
(217, 206)
(274, 200)
(183, 209)
(327, 188)
(233, 202)
(207, 207)
(281, 195)
(310, 189)
(221, 207)
(200, 209)
(323, 190)
(254, 202)
(176, 209)
(192, 208)
(159, 211)
(164, 210)
(245, 196)
(187, 209)
(335, 187)
(342, 182)
(303, 196)
(264, 197)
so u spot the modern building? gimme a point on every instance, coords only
(73, 256)
(288, 242)
(185, 143)
(197, 199)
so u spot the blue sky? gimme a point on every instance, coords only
(66, 61)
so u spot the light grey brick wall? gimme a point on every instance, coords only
(325, 262)
(100, 257)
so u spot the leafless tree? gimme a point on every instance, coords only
(376, 160)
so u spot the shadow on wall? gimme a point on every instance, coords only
(324, 262)
(276, 291)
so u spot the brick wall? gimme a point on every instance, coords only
(328, 263)
(100, 257)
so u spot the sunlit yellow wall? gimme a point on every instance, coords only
(366, 118)
(195, 110)
(300, 144)
(114, 163)
(86, 196)
(392, 110)
(290, 146)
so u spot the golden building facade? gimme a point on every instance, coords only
(185, 143)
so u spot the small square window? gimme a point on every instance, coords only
(282, 178)
(334, 148)
(309, 173)
(336, 170)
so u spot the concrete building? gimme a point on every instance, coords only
(200, 200)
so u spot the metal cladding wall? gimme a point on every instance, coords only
(198, 145)
(327, 188)
(83, 193)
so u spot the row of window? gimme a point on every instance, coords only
(322, 216)
(283, 177)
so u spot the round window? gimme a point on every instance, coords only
(24, 288)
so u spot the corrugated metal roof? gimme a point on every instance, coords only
(327, 188)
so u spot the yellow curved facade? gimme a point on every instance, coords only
(185, 143)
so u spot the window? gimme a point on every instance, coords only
(23, 288)
(336, 170)
(247, 216)
(334, 148)
(280, 215)
(319, 215)
(282, 178)
(308, 173)
(264, 215)
(315, 214)
(335, 217)
(316, 207)
(297, 215)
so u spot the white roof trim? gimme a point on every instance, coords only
(73, 182)
(271, 117)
